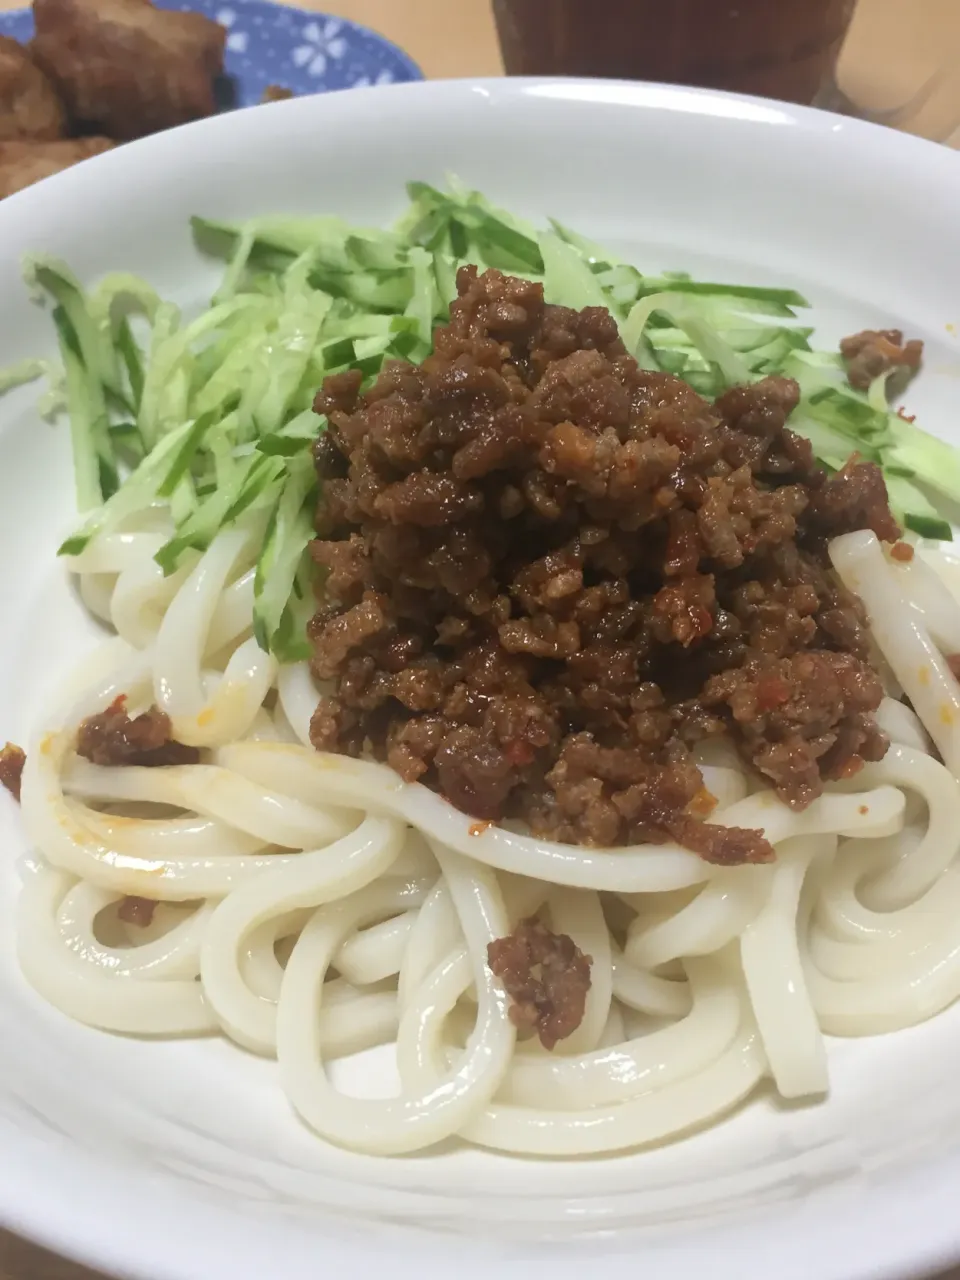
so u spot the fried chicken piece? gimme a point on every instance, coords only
(29, 106)
(127, 68)
(24, 163)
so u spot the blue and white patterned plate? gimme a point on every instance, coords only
(272, 44)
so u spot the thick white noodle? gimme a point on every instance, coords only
(648, 992)
(922, 865)
(902, 725)
(623, 1071)
(928, 598)
(718, 914)
(311, 906)
(424, 1116)
(771, 963)
(904, 641)
(95, 994)
(324, 875)
(578, 914)
(337, 779)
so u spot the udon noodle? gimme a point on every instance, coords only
(312, 906)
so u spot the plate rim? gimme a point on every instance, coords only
(830, 1240)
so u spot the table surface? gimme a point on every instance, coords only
(450, 38)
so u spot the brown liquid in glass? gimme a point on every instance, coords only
(775, 48)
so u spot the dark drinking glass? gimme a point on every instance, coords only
(784, 49)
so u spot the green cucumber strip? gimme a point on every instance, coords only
(936, 528)
(137, 492)
(262, 476)
(95, 349)
(290, 642)
(376, 251)
(184, 456)
(127, 442)
(506, 248)
(384, 291)
(280, 446)
(366, 349)
(289, 530)
(832, 447)
(567, 280)
(877, 393)
(587, 249)
(276, 239)
(237, 265)
(853, 416)
(96, 365)
(95, 472)
(222, 405)
(183, 499)
(504, 241)
(423, 306)
(86, 461)
(445, 266)
(132, 360)
(683, 315)
(928, 458)
(117, 295)
(167, 384)
(24, 371)
(293, 342)
(293, 437)
(914, 510)
(425, 219)
(157, 372)
(779, 301)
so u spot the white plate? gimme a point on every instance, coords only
(181, 1160)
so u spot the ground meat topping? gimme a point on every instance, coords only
(802, 719)
(548, 573)
(547, 977)
(875, 351)
(12, 760)
(855, 498)
(112, 738)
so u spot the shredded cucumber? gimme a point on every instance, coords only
(211, 416)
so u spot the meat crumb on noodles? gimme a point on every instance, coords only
(547, 977)
(549, 573)
(12, 760)
(872, 352)
(111, 737)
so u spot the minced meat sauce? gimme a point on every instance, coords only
(112, 737)
(547, 977)
(872, 352)
(12, 760)
(549, 573)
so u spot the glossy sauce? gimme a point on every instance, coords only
(775, 48)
